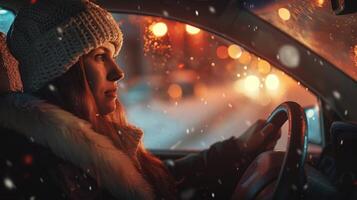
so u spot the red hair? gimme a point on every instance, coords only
(78, 99)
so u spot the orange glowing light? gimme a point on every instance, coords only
(234, 51)
(192, 30)
(200, 90)
(263, 67)
(222, 52)
(175, 91)
(245, 58)
(284, 14)
(320, 3)
(159, 29)
(181, 66)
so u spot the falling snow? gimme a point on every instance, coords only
(59, 30)
(336, 94)
(165, 13)
(289, 56)
(294, 187)
(8, 163)
(176, 145)
(212, 9)
(305, 186)
(51, 87)
(298, 151)
(9, 184)
(346, 112)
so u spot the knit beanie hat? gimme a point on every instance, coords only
(48, 37)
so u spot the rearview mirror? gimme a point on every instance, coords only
(342, 7)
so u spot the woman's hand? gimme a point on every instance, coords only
(258, 138)
(225, 154)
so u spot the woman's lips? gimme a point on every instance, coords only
(111, 93)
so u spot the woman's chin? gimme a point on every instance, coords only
(107, 108)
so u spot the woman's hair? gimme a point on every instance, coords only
(79, 100)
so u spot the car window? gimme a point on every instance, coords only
(188, 88)
(6, 18)
(314, 24)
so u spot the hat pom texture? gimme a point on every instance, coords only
(49, 37)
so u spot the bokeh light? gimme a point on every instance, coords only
(159, 29)
(289, 56)
(272, 82)
(234, 51)
(320, 3)
(284, 14)
(245, 58)
(175, 91)
(222, 52)
(200, 90)
(192, 30)
(251, 83)
(263, 67)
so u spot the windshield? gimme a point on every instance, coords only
(314, 24)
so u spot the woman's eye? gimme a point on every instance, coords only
(100, 57)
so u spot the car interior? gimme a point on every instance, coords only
(201, 71)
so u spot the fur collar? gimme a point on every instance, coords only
(74, 140)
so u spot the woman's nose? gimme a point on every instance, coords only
(116, 73)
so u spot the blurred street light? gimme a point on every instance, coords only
(222, 52)
(234, 51)
(159, 29)
(192, 30)
(263, 67)
(174, 91)
(245, 58)
(272, 82)
(284, 14)
(251, 83)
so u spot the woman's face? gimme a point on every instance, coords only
(103, 74)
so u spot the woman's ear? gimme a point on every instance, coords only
(10, 79)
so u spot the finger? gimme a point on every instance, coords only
(267, 129)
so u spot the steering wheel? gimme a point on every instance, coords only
(279, 175)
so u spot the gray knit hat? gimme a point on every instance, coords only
(47, 38)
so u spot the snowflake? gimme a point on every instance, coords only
(9, 184)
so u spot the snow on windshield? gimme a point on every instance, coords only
(314, 24)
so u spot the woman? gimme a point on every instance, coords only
(68, 125)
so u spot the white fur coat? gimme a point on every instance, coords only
(73, 139)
